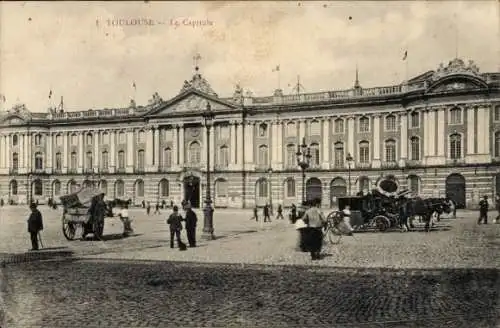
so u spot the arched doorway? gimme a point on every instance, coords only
(337, 189)
(455, 189)
(313, 189)
(192, 190)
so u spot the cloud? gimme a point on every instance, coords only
(80, 51)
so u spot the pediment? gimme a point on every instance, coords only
(457, 83)
(12, 120)
(191, 102)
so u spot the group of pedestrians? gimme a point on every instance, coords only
(175, 223)
(266, 212)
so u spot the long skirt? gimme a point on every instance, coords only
(313, 239)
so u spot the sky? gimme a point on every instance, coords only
(81, 51)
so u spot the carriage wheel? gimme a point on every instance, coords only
(382, 223)
(69, 230)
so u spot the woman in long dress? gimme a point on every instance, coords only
(315, 220)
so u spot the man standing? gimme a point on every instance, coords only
(148, 208)
(266, 213)
(191, 220)
(483, 210)
(175, 223)
(35, 225)
(280, 212)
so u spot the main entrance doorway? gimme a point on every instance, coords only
(455, 189)
(192, 190)
(313, 189)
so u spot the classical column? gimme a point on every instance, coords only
(212, 150)
(426, 127)
(441, 136)
(239, 144)
(325, 142)
(2, 152)
(233, 146)
(112, 151)
(130, 151)
(249, 143)
(8, 151)
(29, 150)
(274, 144)
(23, 153)
(302, 130)
(281, 149)
(80, 152)
(403, 139)
(156, 160)
(149, 149)
(49, 153)
(180, 145)
(204, 145)
(376, 163)
(431, 121)
(484, 130)
(65, 152)
(350, 139)
(97, 142)
(471, 135)
(174, 132)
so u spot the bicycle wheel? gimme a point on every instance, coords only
(334, 235)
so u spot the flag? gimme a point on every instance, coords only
(50, 94)
(133, 85)
(277, 69)
(405, 55)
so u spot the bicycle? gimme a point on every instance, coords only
(331, 228)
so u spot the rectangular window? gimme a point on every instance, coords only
(415, 120)
(339, 125)
(121, 160)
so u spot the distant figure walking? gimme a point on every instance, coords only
(266, 213)
(255, 214)
(191, 220)
(148, 208)
(157, 208)
(35, 225)
(175, 223)
(280, 212)
(293, 214)
(483, 210)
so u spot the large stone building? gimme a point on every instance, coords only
(437, 133)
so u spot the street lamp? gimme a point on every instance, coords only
(208, 211)
(270, 172)
(304, 161)
(349, 160)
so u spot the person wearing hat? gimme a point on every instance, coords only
(175, 223)
(191, 220)
(35, 225)
(483, 210)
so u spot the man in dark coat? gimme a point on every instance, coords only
(280, 212)
(191, 220)
(483, 210)
(35, 225)
(266, 213)
(175, 223)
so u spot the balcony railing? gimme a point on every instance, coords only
(13, 170)
(72, 171)
(262, 167)
(139, 170)
(164, 168)
(363, 165)
(120, 170)
(413, 163)
(104, 170)
(221, 167)
(389, 165)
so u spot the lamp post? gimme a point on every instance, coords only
(304, 161)
(270, 172)
(208, 211)
(349, 160)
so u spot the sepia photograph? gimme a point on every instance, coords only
(250, 164)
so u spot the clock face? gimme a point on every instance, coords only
(195, 132)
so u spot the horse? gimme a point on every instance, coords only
(425, 208)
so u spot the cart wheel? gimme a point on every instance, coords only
(382, 223)
(98, 228)
(69, 230)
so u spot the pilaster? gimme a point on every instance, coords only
(212, 149)
(149, 149)
(23, 153)
(112, 151)
(239, 146)
(80, 152)
(157, 149)
(249, 145)
(96, 159)
(48, 166)
(403, 139)
(130, 151)
(441, 137)
(325, 143)
(8, 152)
(181, 146)
(174, 131)
(65, 153)
(376, 163)
(350, 140)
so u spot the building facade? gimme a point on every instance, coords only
(436, 134)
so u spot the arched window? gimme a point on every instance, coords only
(38, 161)
(56, 187)
(15, 140)
(194, 153)
(497, 144)
(121, 160)
(58, 161)
(167, 157)
(315, 128)
(263, 130)
(163, 186)
(72, 186)
(364, 124)
(103, 185)
(390, 123)
(224, 156)
(104, 160)
(455, 116)
(139, 188)
(455, 146)
(88, 160)
(15, 161)
(119, 188)
(73, 161)
(390, 151)
(364, 183)
(339, 125)
(364, 152)
(37, 187)
(315, 160)
(415, 120)
(263, 155)
(262, 188)
(290, 155)
(413, 184)
(13, 188)
(221, 188)
(141, 137)
(415, 149)
(87, 183)
(38, 140)
(291, 129)
(140, 160)
(89, 139)
(338, 152)
(289, 188)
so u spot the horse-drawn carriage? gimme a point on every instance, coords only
(84, 210)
